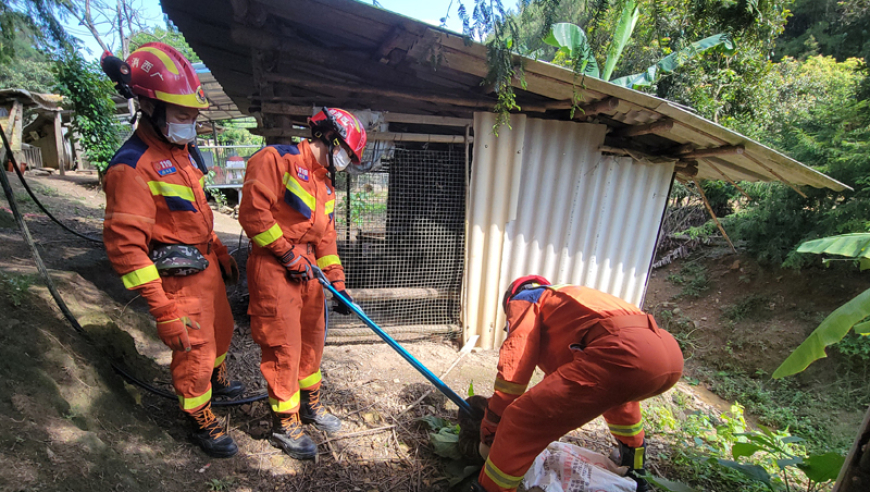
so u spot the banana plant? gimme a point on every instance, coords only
(849, 316)
(573, 44)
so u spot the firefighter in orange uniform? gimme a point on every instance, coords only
(600, 355)
(159, 233)
(287, 208)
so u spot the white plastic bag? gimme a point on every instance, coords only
(563, 467)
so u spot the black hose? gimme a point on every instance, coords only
(36, 200)
(37, 258)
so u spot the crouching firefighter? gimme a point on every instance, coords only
(159, 233)
(287, 209)
(600, 355)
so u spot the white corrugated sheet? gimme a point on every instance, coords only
(544, 201)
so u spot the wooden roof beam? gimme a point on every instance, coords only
(602, 106)
(637, 130)
(716, 151)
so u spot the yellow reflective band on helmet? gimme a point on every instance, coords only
(328, 260)
(220, 360)
(626, 430)
(140, 277)
(310, 380)
(170, 65)
(295, 188)
(509, 388)
(186, 100)
(268, 237)
(284, 406)
(500, 478)
(195, 402)
(159, 188)
(330, 207)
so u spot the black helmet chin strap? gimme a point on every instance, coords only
(330, 153)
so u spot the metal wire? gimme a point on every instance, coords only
(401, 241)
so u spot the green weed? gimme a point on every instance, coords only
(749, 306)
(15, 286)
(220, 485)
(693, 278)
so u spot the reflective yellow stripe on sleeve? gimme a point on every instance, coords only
(500, 478)
(328, 260)
(285, 406)
(330, 207)
(169, 189)
(626, 430)
(220, 360)
(140, 277)
(195, 402)
(268, 237)
(202, 181)
(509, 388)
(311, 380)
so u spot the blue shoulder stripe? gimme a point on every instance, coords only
(286, 149)
(130, 152)
(530, 295)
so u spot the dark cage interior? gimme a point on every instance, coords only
(401, 237)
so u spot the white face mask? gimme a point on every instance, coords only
(341, 160)
(181, 133)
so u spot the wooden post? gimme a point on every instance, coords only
(712, 214)
(58, 141)
(15, 126)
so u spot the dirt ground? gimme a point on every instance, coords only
(69, 422)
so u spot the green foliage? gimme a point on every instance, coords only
(88, 93)
(747, 306)
(829, 27)
(831, 331)
(15, 286)
(221, 485)
(813, 111)
(672, 62)
(769, 457)
(694, 279)
(236, 132)
(29, 69)
(39, 20)
(172, 37)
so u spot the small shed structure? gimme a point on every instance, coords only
(44, 129)
(577, 198)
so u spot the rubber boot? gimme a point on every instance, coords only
(288, 435)
(221, 384)
(312, 411)
(209, 435)
(635, 460)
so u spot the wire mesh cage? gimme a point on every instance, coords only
(401, 240)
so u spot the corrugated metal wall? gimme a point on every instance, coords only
(542, 200)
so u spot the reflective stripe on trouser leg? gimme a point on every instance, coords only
(313, 331)
(194, 297)
(626, 423)
(287, 406)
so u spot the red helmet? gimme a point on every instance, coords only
(330, 124)
(160, 72)
(517, 286)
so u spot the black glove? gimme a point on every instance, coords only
(341, 307)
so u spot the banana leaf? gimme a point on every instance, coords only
(624, 29)
(852, 245)
(673, 61)
(831, 331)
(571, 40)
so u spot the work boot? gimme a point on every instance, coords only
(287, 434)
(312, 411)
(209, 435)
(221, 384)
(635, 460)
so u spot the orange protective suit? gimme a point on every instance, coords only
(154, 196)
(288, 201)
(600, 355)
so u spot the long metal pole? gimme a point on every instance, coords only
(443, 388)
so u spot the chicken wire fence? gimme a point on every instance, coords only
(401, 238)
